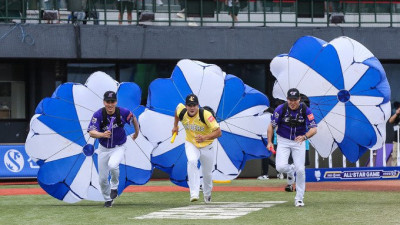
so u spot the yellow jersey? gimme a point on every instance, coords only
(194, 126)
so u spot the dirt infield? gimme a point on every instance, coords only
(393, 185)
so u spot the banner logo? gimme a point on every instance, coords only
(14, 161)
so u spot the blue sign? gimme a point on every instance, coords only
(352, 174)
(15, 163)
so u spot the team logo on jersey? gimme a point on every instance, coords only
(310, 117)
(210, 119)
(94, 120)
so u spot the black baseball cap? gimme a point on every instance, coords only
(110, 96)
(192, 99)
(293, 93)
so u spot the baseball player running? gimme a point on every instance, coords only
(201, 130)
(107, 125)
(295, 123)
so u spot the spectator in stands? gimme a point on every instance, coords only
(234, 8)
(121, 5)
(395, 120)
(181, 14)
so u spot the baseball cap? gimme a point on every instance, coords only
(293, 93)
(192, 99)
(110, 96)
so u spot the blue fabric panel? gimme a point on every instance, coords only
(130, 175)
(60, 115)
(39, 107)
(331, 71)
(95, 158)
(358, 128)
(129, 95)
(237, 97)
(179, 171)
(168, 159)
(351, 150)
(322, 105)
(57, 190)
(59, 170)
(163, 97)
(233, 148)
(383, 85)
(306, 49)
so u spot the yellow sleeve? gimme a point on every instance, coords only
(210, 120)
(179, 108)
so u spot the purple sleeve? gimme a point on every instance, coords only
(95, 121)
(276, 116)
(310, 120)
(126, 115)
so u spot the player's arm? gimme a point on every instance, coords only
(270, 134)
(97, 134)
(136, 125)
(176, 121)
(211, 136)
(393, 118)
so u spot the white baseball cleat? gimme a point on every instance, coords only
(194, 198)
(299, 203)
(263, 177)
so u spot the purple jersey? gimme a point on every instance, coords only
(118, 135)
(282, 120)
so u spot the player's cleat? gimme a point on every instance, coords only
(194, 198)
(289, 188)
(108, 204)
(114, 193)
(263, 177)
(280, 176)
(207, 199)
(299, 203)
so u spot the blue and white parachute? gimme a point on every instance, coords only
(59, 142)
(348, 90)
(239, 110)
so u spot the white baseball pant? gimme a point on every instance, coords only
(206, 156)
(285, 146)
(108, 162)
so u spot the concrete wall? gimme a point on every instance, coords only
(170, 43)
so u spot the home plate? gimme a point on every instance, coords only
(216, 210)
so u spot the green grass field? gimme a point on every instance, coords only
(341, 207)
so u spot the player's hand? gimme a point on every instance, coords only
(175, 129)
(107, 134)
(300, 139)
(398, 111)
(200, 138)
(270, 146)
(135, 135)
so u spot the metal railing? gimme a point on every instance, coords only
(345, 13)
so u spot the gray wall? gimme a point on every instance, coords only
(171, 43)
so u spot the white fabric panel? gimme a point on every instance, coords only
(353, 74)
(344, 49)
(94, 191)
(138, 152)
(381, 136)
(47, 143)
(323, 141)
(336, 120)
(320, 86)
(224, 164)
(205, 80)
(366, 105)
(86, 103)
(247, 125)
(81, 181)
(278, 92)
(100, 82)
(151, 121)
(71, 198)
(278, 66)
(361, 53)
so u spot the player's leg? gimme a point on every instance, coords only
(116, 157)
(103, 157)
(193, 155)
(207, 164)
(298, 154)
(282, 155)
